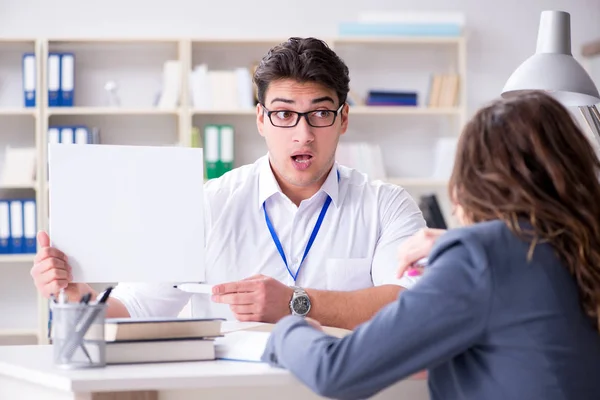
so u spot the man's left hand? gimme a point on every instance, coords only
(258, 298)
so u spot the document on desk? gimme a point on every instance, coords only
(241, 346)
(128, 213)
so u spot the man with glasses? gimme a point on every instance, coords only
(293, 233)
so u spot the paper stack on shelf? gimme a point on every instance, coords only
(362, 156)
(445, 149)
(169, 97)
(19, 167)
(221, 89)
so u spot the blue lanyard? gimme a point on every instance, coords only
(313, 235)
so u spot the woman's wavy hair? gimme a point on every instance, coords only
(525, 158)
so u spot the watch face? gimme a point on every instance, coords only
(301, 305)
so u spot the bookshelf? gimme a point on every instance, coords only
(20, 127)
(136, 66)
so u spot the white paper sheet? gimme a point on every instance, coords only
(128, 213)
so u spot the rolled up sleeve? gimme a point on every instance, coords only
(144, 300)
(400, 219)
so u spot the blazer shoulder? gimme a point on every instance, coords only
(478, 239)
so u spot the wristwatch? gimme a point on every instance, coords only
(300, 303)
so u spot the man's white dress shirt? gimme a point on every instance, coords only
(355, 247)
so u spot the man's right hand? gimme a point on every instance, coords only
(51, 272)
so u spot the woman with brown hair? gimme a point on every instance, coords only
(509, 305)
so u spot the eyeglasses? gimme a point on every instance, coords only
(315, 118)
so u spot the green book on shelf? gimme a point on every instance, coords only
(195, 139)
(211, 151)
(226, 153)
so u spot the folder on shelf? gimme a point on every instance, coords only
(211, 151)
(54, 79)
(226, 154)
(5, 238)
(16, 226)
(67, 79)
(53, 134)
(29, 81)
(66, 135)
(29, 226)
(82, 135)
(195, 139)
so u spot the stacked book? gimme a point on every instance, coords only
(134, 340)
(443, 91)
(229, 89)
(365, 157)
(391, 98)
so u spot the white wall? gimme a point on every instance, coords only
(501, 33)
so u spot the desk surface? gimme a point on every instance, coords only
(34, 364)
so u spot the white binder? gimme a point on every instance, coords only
(82, 136)
(66, 135)
(16, 226)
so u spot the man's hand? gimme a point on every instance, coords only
(258, 298)
(51, 272)
(416, 247)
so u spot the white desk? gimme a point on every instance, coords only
(27, 372)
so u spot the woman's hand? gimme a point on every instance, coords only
(415, 248)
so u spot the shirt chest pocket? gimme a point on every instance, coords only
(348, 273)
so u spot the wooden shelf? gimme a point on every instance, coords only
(110, 111)
(10, 187)
(18, 332)
(402, 110)
(17, 40)
(16, 111)
(243, 111)
(418, 182)
(238, 41)
(124, 40)
(24, 258)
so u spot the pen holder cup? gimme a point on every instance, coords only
(78, 335)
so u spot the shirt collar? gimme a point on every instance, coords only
(268, 186)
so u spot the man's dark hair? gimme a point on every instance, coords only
(303, 60)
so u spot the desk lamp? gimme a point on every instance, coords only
(553, 69)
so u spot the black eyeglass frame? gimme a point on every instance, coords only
(305, 115)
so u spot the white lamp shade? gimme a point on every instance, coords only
(552, 68)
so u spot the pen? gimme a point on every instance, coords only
(62, 296)
(103, 297)
(85, 300)
(74, 341)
